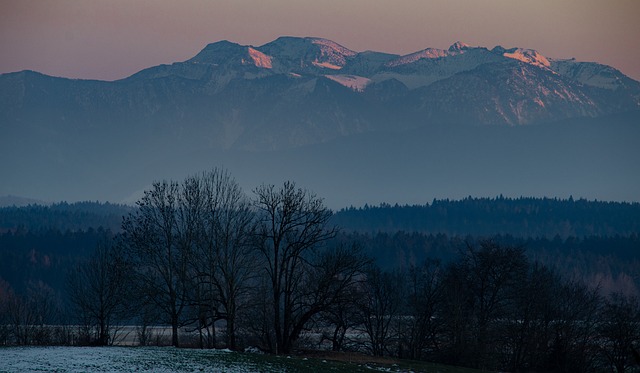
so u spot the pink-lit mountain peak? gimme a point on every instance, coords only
(430, 53)
(301, 53)
(529, 56)
(331, 47)
(458, 46)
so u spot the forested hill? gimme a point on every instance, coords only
(521, 217)
(63, 216)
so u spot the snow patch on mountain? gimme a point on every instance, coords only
(260, 59)
(529, 56)
(428, 53)
(326, 65)
(332, 55)
(356, 83)
(329, 46)
(591, 73)
(411, 81)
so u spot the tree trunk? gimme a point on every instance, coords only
(174, 331)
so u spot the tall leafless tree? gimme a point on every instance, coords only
(98, 290)
(529, 327)
(380, 309)
(160, 252)
(423, 295)
(292, 224)
(479, 290)
(619, 331)
(226, 258)
(31, 314)
(573, 346)
(493, 271)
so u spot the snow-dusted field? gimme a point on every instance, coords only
(124, 359)
(169, 359)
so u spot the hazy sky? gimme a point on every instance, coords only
(111, 39)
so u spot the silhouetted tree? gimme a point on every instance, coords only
(529, 328)
(619, 331)
(159, 243)
(333, 287)
(480, 293)
(573, 346)
(292, 224)
(30, 315)
(381, 306)
(420, 329)
(98, 288)
(226, 260)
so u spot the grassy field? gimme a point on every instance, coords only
(167, 359)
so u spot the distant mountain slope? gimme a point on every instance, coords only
(89, 139)
(234, 93)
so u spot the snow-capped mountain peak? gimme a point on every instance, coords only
(299, 53)
(428, 53)
(458, 46)
(530, 56)
(332, 55)
(331, 47)
(219, 52)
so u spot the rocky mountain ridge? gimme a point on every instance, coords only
(298, 96)
(296, 91)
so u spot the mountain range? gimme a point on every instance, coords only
(475, 120)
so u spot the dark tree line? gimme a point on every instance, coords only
(78, 216)
(610, 263)
(520, 217)
(491, 308)
(28, 257)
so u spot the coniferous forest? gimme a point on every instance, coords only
(527, 284)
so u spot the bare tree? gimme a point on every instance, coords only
(572, 345)
(479, 298)
(380, 307)
(160, 251)
(98, 290)
(529, 328)
(226, 259)
(31, 314)
(342, 314)
(619, 331)
(492, 272)
(292, 223)
(331, 282)
(421, 328)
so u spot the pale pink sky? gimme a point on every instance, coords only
(111, 39)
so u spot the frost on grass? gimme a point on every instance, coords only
(120, 359)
